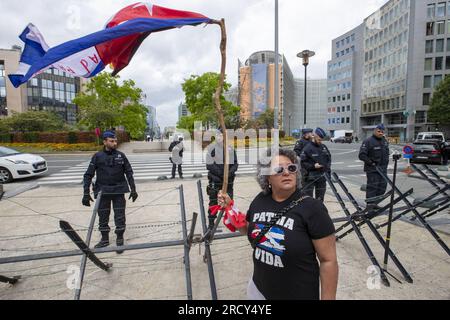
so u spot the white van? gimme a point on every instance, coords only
(430, 136)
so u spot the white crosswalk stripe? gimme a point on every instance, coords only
(143, 170)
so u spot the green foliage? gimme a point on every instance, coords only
(31, 137)
(439, 111)
(134, 120)
(34, 121)
(264, 121)
(107, 104)
(4, 127)
(72, 137)
(199, 92)
(6, 137)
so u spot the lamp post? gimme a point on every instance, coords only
(290, 116)
(277, 72)
(305, 55)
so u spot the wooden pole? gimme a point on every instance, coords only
(219, 110)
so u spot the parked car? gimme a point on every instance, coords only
(342, 140)
(439, 136)
(427, 151)
(16, 165)
(342, 136)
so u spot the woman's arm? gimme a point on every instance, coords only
(329, 269)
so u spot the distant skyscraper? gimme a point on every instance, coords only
(257, 88)
(183, 111)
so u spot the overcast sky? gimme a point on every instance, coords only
(166, 58)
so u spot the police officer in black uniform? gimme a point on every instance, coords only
(307, 135)
(316, 161)
(110, 166)
(215, 160)
(374, 153)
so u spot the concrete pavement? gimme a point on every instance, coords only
(159, 273)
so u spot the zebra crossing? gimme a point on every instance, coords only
(144, 170)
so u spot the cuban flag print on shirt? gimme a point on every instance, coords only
(272, 240)
(115, 45)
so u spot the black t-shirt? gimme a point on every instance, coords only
(285, 261)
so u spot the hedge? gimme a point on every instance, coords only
(57, 137)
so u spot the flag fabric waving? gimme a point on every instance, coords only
(115, 45)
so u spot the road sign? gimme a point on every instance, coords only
(408, 150)
(408, 156)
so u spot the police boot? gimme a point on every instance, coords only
(104, 242)
(120, 242)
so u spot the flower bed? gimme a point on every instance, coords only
(53, 147)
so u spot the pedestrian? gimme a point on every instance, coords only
(316, 161)
(292, 235)
(215, 161)
(110, 166)
(374, 153)
(177, 149)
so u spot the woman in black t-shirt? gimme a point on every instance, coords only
(296, 259)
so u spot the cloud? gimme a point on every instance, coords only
(166, 58)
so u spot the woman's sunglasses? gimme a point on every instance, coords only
(291, 169)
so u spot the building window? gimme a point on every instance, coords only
(429, 46)
(447, 63)
(430, 29)
(438, 64)
(348, 120)
(348, 108)
(427, 82)
(339, 109)
(437, 79)
(448, 44)
(428, 64)
(440, 45)
(448, 23)
(440, 26)
(440, 9)
(426, 99)
(421, 117)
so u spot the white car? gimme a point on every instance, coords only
(16, 165)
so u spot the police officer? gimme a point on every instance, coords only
(374, 153)
(316, 161)
(307, 135)
(215, 160)
(177, 149)
(110, 166)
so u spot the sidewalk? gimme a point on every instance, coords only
(159, 273)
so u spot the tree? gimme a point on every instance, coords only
(107, 104)
(439, 111)
(199, 92)
(34, 121)
(264, 121)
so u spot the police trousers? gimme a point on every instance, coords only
(319, 185)
(119, 204)
(213, 191)
(376, 186)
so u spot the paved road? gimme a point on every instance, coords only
(69, 169)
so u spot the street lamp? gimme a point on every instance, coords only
(290, 116)
(305, 55)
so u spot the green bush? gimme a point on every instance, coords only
(6, 138)
(72, 137)
(31, 137)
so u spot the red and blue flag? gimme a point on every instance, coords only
(115, 45)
